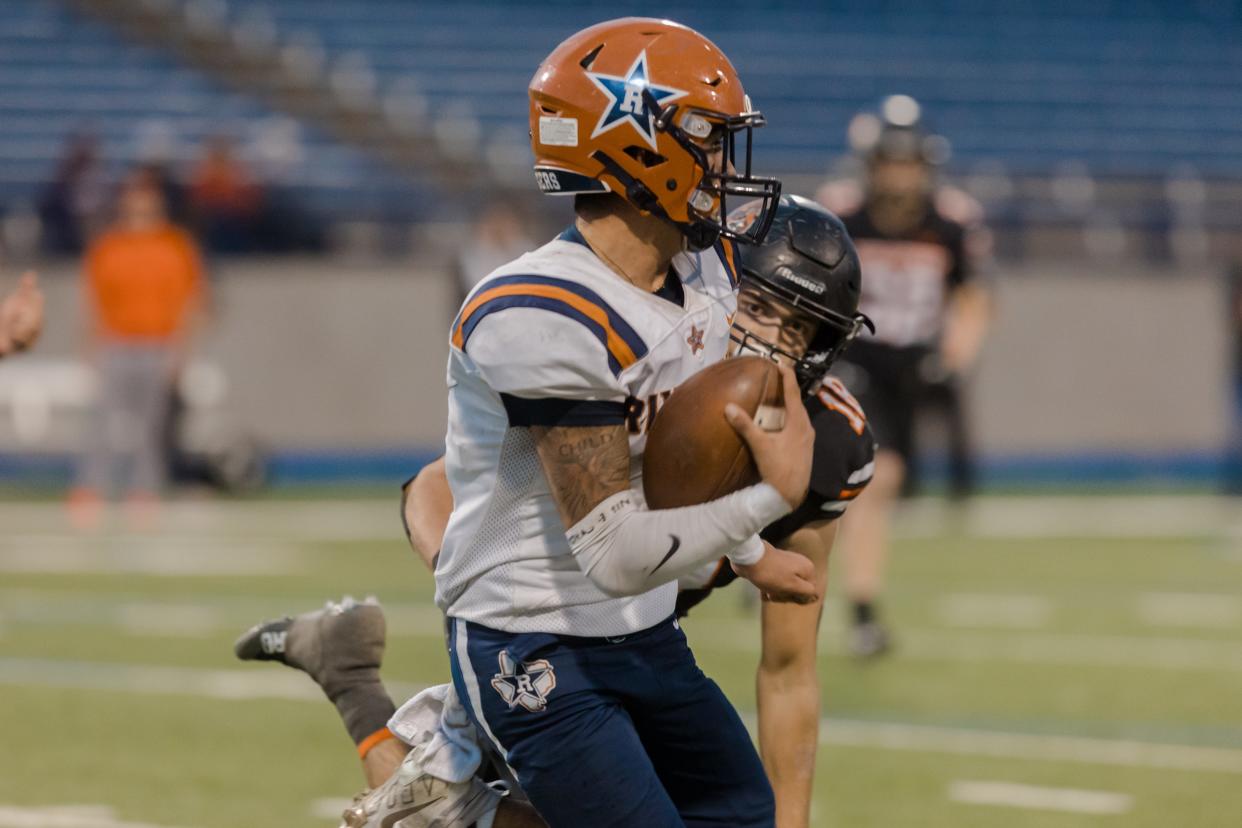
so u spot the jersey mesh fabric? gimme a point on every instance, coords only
(498, 532)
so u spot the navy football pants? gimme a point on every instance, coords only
(612, 732)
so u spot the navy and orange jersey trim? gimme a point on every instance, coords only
(552, 412)
(573, 235)
(570, 299)
(727, 250)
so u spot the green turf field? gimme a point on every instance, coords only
(1061, 662)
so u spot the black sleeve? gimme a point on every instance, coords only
(523, 411)
(962, 270)
(842, 465)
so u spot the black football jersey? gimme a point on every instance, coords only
(907, 279)
(841, 468)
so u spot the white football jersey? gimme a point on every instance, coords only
(557, 330)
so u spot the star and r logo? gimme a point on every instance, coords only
(625, 99)
(525, 683)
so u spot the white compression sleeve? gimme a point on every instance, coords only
(626, 549)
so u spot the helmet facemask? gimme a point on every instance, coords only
(833, 335)
(697, 131)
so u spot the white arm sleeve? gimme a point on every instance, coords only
(627, 550)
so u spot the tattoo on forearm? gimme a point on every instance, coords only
(584, 465)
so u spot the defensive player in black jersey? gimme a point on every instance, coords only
(922, 248)
(798, 303)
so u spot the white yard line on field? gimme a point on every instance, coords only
(1072, 648)
(1028, 746)
(283, 520)
(1142, 516)
(999, 643)
(374, 519)
(37, 607)
(328, 808)
(1032, 797)
(1190, 609)
(1007, 646)
(994, 610)
(182, 556)
(269, 682)
(261, 682)
(64, 816)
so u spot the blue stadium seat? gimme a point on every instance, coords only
(1129, 88)
(61, 73)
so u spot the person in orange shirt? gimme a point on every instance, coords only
(225, 199)
(144, 286)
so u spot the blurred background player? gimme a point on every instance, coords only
(921, 246)
(798, 301)
(74, 201)
(21, 316)
(224, 198)
(143, 285)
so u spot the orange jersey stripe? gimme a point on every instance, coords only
(731, 260)
(847, 494)
(619, 348)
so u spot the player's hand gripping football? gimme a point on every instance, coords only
(784, 462)
(782, 457)
(782, 576)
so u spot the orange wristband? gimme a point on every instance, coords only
(381, 735)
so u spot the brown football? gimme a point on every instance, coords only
(693, 455)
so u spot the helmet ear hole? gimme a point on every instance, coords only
(645, 156)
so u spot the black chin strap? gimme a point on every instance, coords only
(698, 235)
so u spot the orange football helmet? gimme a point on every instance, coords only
(651, 110)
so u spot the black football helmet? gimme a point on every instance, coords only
(897, 133)
(807, 261)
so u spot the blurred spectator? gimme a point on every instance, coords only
(144, 284)
(176, 199)
(922, 248)
(21, 316)
(225, 198)
(498, 237)
(1233, 456)
(72, 205)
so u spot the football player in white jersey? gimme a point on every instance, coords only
(558, 583)
(799, 297)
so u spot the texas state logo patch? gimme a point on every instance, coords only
(524, 683)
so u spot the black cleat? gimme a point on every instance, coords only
(340, 638)
(870, 640)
